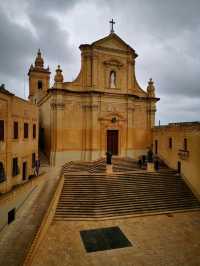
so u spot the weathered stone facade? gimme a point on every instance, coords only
(75, 117)
(17, 151)
(178, 145)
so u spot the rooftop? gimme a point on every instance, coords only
(3, 90)
(180, 124)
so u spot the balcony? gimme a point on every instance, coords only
(183, 154)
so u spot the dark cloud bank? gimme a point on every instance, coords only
(164, 33)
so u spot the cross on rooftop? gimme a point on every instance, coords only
(112, 22)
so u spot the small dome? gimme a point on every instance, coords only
(59, 76)
(39, 62)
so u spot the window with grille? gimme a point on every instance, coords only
(2, 173)
(170, 143)
(185, 146)
(15, 126)
(15, 168)
(34, 131)
(25, 130)
(1, 130)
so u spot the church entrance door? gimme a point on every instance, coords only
(112, 141)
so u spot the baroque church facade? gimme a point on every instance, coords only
(103, 109)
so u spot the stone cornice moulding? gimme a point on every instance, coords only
(90, 106)
(113, 62)
(58, 105)
(119, 51)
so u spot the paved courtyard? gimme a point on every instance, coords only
(167, 239)
(16, 238)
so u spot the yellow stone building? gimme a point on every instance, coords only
(178, 145)
(103, 109)
(18, 139)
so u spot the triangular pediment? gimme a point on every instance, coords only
(112, 41)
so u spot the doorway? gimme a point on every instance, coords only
(112, 141)
(24, 170)
(179, 167)
(156, 146)
(42, 139)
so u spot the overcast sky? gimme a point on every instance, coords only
(165, 34)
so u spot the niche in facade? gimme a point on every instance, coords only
(112, 79)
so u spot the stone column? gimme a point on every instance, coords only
(130, 113)
(90, 130)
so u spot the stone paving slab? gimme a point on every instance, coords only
(160, 240)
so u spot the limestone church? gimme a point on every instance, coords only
(103, 109)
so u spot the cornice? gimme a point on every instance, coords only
(105, 93)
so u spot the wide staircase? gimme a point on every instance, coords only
(99, 166)
(88, 192)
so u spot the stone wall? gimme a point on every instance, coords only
(187, 157)
(14, 109)
(76, 115)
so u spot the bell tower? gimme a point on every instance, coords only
(38, 79)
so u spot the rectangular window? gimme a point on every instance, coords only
(33, 160)
(185, 145)
(15, 126)
(40, 84)
(1, 130)
(11, 216)
(156, 146)
(34, 131)
(25, 130)
(24, 170)
(170, 143)
(2, 173)
(15, 168)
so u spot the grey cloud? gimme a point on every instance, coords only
(50, 5)
(51, 38)
(164, 33)
(15, 45)
(18, 44)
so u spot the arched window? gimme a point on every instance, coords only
(40, 85)
(112, 79)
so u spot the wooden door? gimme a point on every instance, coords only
(112, 141)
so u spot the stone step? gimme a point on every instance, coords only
(118, 211)
(123, 206)
(127, 197)
(135, 186)
(119, 196)
(119, 180)
(120, 214)
(106, 200)
(132, 174)
(135, 205)
(88, 192)
(130, 182)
